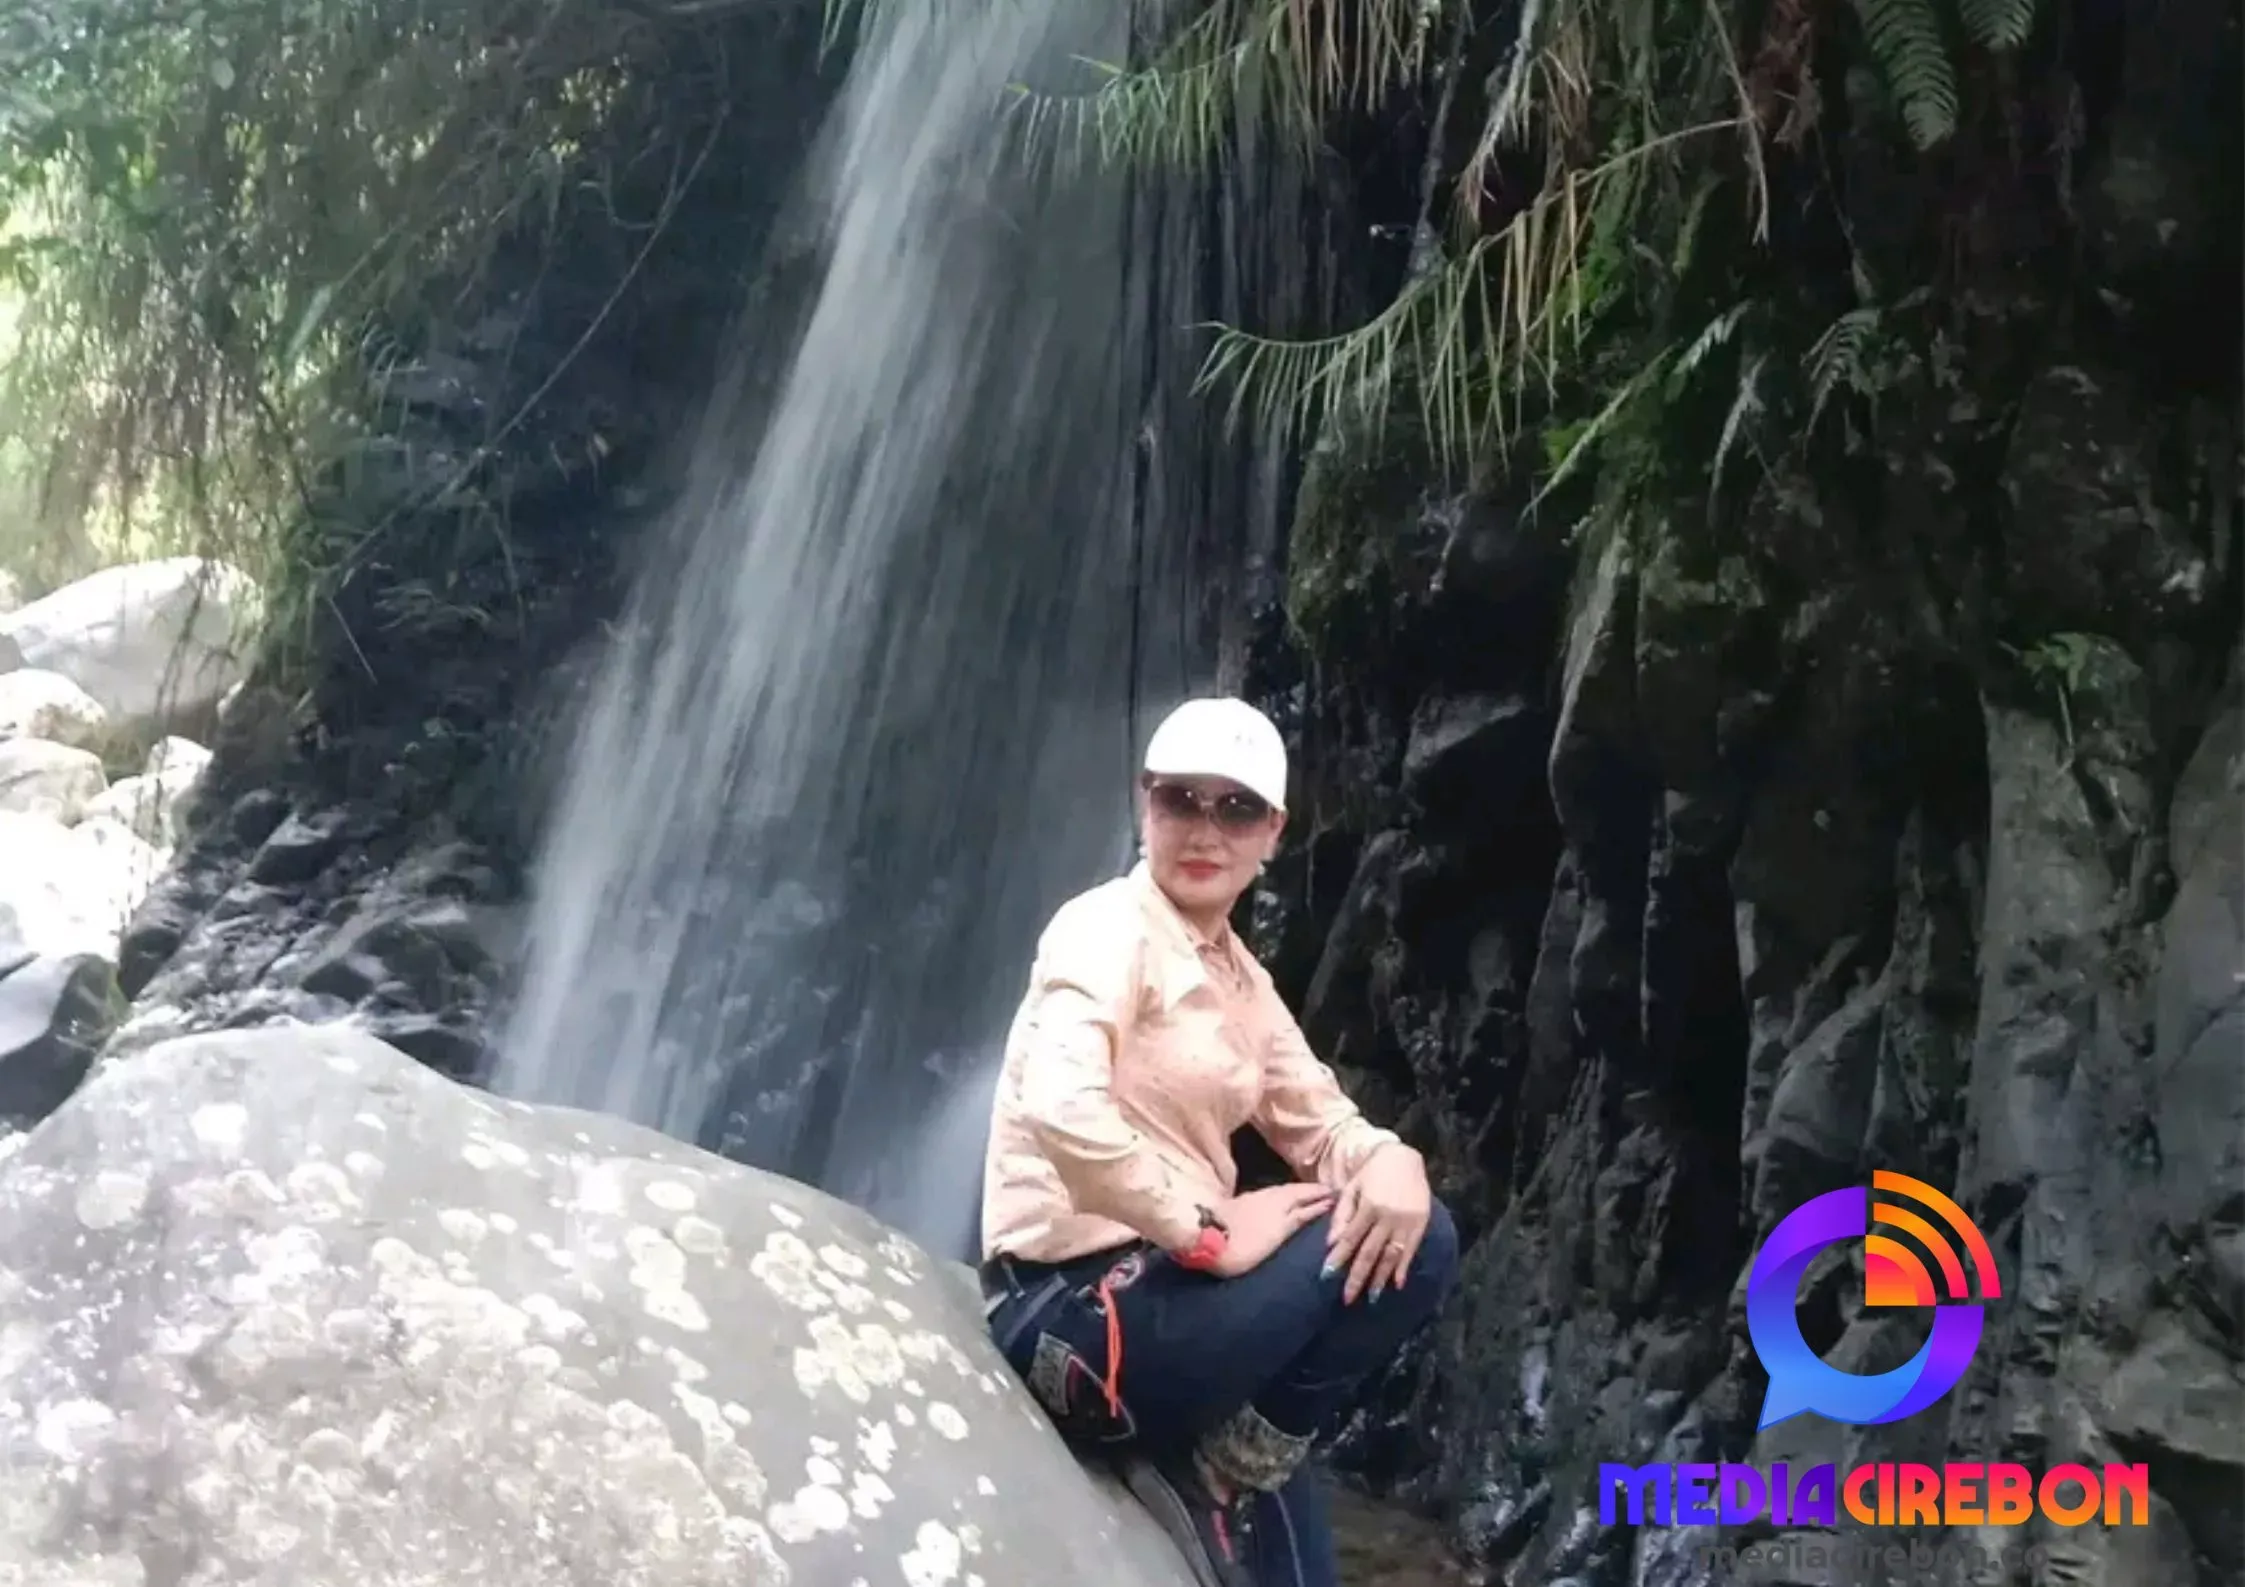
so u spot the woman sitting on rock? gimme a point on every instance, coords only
(1203, 1336)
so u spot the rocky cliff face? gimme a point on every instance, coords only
(1662, 887)
(1931, 928)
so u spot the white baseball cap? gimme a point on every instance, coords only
(1221, 737)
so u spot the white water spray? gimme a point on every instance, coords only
(874, 714)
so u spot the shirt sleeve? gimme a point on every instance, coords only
(1082, 994)
(1305, 1115)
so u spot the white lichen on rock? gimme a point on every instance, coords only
(876, 1443)
(219, 1125)
(697, 1236)
(670, 1195)
(935, 1557)
(788, 1269)
(111, 1198)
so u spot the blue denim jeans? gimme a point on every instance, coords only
(1246, 1370)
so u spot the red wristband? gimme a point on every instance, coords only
(1208, 1249)
(1204, 1252)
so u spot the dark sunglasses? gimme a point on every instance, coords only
(1232, 810)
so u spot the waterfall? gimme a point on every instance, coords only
(873, 710)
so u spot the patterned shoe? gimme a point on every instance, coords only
(1212, 1534)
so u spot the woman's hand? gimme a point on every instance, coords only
(1261, 1221)
(1379, 1222)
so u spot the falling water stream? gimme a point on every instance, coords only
(871, 713)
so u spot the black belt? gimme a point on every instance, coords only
(1003, 1277)
(1001, 1283)
(1015, 1275)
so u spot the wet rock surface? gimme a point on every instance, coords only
(55, 1010)
(314, 922)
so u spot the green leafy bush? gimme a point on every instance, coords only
(227, 225)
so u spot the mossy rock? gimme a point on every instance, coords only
(1691, 592)
(1362, 495)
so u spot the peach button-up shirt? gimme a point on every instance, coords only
(1137, 1050)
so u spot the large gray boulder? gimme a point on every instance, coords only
(41, 778)
(72, 889)
(285, 1306)
(46, 705)
(150, 641)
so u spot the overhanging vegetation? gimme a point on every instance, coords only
(1683, 264)
(1673, 257)
(231, 231)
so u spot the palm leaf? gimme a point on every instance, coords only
(1289, 64)
(1471, 336)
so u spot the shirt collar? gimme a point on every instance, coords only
(1183, 940)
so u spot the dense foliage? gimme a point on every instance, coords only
(1716, 275)
(1672, 258)
(236, 231)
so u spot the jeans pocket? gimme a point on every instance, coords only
(1072, 1393)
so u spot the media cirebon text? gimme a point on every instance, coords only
(1960, 1493)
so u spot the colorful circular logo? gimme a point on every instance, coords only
(1893, 1275)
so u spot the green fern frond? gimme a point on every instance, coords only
(1717, 333)
(1585, 440)
(1746, 406)
(1905, 40)
(1997, 24)
(1838, 360)
(1855, 351)
(1668, 372)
